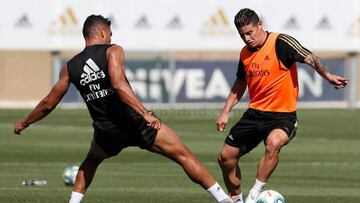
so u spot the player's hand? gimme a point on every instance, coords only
(222, 121)
(152, 121)
(19, 126)
(337, 81)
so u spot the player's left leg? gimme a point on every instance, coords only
(87, 171)
(168, 144)
(268, 162)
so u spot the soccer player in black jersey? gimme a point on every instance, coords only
(119, 118)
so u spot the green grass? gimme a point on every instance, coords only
(320, 165)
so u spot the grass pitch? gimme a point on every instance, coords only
(320, 165)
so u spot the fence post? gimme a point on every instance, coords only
(352, 92)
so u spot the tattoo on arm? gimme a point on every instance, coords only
(316, 63)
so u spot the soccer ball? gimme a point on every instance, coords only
(270, 196)
(69, 175)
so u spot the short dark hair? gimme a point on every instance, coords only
(92, 21)
(245, 17)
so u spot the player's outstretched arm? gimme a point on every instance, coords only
(234, 96)
(47, 104)
(119, 83)
(316, 63)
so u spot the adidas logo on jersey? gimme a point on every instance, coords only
(91, 72)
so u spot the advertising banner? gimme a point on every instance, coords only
(211, 81)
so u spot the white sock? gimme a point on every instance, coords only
(238, 198)
(259, 186)
(217, 192)
(256, 189)
(76, 197)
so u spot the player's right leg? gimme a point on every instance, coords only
(242, 138)
(168, 144)
(87, 171)
(228, 161)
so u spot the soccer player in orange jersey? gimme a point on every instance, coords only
(267, 67)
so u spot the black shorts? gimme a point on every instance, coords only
(113, 140)
(255, 125)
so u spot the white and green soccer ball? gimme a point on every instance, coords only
(69, 175)
(270, 196)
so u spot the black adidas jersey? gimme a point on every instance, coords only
(88, 71)
(288, 51)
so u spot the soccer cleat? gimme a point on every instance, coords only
(251, 198)
(227, 200)
(237, 199)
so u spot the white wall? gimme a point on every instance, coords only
(320, 25)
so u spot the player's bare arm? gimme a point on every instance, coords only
(116, 58)
(47, 104)
(316, 63)
(237, 91)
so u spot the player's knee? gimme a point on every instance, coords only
(277, 139)
(225, 160)
(275, 143)
(272, 148)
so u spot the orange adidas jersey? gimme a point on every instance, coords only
(271, 85)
